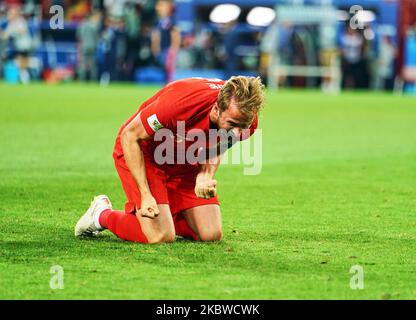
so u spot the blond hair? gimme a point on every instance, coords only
(248, 93)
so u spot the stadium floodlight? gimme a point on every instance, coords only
(261, 16)
(224, 13)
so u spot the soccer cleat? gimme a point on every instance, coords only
(88, 224)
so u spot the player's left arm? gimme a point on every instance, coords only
(206, 185)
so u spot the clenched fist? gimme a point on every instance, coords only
(205, 186)
(148, 207)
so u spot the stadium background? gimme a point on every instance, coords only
(337, 187)
(246, 40)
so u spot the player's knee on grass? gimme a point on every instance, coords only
(205, 221)
(212, 234)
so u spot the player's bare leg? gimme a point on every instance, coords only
(205, 221)
(160, 229)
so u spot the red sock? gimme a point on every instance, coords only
(182, 228)
(123, 225)
(103, 218)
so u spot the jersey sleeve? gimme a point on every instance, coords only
(160, 113)
(180, 101)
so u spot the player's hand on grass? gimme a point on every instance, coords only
(149, 207)
(205, 186)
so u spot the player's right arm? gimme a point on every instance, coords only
(130, 137)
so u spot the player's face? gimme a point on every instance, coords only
(231, 119)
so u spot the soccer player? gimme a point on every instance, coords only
(176, 197)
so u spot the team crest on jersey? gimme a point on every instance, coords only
(154, 123)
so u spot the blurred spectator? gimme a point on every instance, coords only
(166, 38)
(88, 34)
(385, 64)
(371, 55)
(353, 64)
(205, 50)
(231, 40)
(18, 33)
(186, 56)
(133, 32)
(112, 50)
(148, 11)
(29, 8)
(115, 8)
(3, 41)
(145, 52)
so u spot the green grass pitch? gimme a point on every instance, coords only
(337, 189)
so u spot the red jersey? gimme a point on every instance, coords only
(188, 100)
